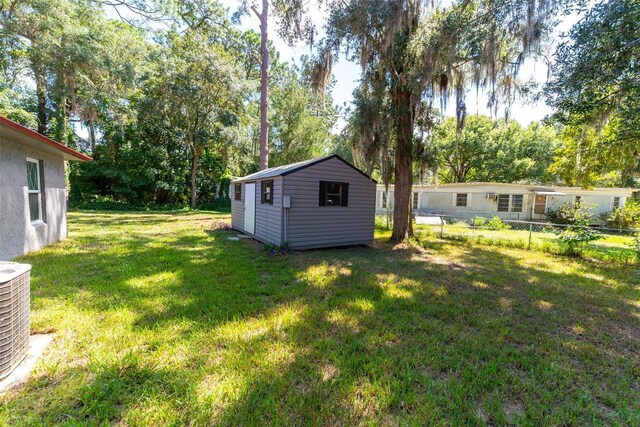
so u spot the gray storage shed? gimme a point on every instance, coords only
(316, 203)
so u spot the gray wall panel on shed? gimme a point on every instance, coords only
(237, 208)
(18, 235)
(314, 226)
(269, 217)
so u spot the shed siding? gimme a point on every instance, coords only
(237, 208)
(313, 226)
(269, 217)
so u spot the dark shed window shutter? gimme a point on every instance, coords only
(43, 193)
(323, 194)
(345, 194)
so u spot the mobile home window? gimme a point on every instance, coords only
(503, 203)
(461, 199)
(334, 193)
(267, 192)
(238, 192)
(516, 202)
(416, 198)
(35, 189)
(616, 202)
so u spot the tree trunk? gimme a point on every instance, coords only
(402, 228)
(92, 137)
(42, 103)
(194, 169)
(264, 88)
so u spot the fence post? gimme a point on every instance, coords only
(530, 231)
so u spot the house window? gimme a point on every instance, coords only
(503, 203)
(616, 202)
(461, 199)
(34, 185)
(334, 193)
(238, 192)
(416, 199)
(517, 202)
(267, 192)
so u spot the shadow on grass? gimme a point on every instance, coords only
(449, 333)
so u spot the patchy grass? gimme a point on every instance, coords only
(160, 321)
(613, 248)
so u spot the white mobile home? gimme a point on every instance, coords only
(33, 195)
(507, 201)
(317, 203)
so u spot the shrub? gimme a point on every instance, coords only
(479, 221)
(570, 213)
(627, 216)
(496, 223)
(574, 238)
(577, 233)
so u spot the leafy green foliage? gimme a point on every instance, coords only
(627, 216)
(594, 89)
(488, 150)
(576, 231)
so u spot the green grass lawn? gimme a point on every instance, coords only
(160, 321)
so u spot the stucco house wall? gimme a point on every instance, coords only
(18, 234)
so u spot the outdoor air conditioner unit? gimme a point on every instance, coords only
(14, 315)
(492, 196)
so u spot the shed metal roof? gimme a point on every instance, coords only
(294, 167)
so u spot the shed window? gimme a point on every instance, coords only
(238, 192)
(503, 203)
(34, 186)
(461, 199)
(516, 202)
(416, 199)
(267, 192)
(334, 193)
(616, 202)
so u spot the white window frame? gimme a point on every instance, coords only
(454, 200)
(415, 201)
(613, 202)
(511, 196)
(38, 191)
(508, 203)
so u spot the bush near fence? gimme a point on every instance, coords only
(621, 246)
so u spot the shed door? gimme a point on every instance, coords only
(250, 207)
(540, 205)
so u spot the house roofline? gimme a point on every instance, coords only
(529, 187)
(41, 138)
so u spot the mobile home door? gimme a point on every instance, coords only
(250, 207)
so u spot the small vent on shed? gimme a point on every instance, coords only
(14, 315)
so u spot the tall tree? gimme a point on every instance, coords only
(430, 52)
(199, 92)
(595, 83)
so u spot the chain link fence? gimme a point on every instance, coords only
(612, 244)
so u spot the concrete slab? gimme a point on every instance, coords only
(37, 345)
